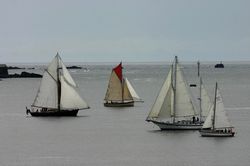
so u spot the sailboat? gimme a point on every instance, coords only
(174, 108)
(217, 123)
(120, 92)
(57, 94)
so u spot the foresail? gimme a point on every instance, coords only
(70, 99)
(47, 93)
(114, 91)
(221, 119)
(167, 106)
(209, 120)
(67, 75)
(184, 105)
(126, 92)
(163, 102)
(132, 90)
(206, 103)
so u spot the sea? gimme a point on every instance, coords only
(104, 136)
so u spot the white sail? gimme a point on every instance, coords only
(114, 91)
(132, 90)
(206, 103)
(53, 66)
(47, 94)
(67, 76)
(221, 119)
(163, 106)
(126, 92)
(184, 105)
(70, 99)
(209, 120)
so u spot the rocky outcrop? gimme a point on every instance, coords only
(4, 73)
(74, 67)
(25, 75)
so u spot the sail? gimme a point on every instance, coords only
(163, 106)
(67, 76)
(184, 105)
(47, 96)
(126, 91)
(70, 99)
(132, 90)
(221, 119)
(205, 102)
(53, 66)
(114, 91)
(209, 120)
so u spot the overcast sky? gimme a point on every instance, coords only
(128, 30)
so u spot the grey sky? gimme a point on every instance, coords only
(128, 30)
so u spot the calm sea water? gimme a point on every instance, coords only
(120, 136)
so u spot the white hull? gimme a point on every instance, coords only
(210, 133)
(177, 126)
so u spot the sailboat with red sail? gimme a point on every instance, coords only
(120, 92)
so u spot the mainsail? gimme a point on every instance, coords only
(52, 83)
(220, 119)
(184, 105)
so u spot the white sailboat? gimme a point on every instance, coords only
(173, 108)
(217, 123)
(57, 95)
(120, 92)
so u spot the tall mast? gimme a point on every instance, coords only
(214, 106)
(58, 84)
(200, 100)
(175, 79)
(122, 86)
(198, 65)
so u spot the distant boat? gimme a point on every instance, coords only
(219, 65)
(120, 92)
(173, 108)
(217, 123)
(57, 95)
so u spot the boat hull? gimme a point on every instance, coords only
(210, 133)
(120, 104)
(56, 113)
(178, 126)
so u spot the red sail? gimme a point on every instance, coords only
(118, 71)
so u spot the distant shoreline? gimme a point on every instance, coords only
(20, 64)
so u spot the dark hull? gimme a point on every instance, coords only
(211, 133)
(55, 113)
(124, 104)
